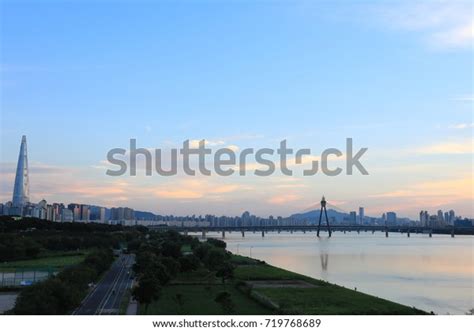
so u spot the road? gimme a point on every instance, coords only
(107, 295)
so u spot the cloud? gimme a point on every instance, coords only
(461, 126)
(458, 36)
(179, 194)
(208, 143)
(443, 24)
(455, 147)
(434, 192)
(283, 199)
(464, 98)
(428, 195)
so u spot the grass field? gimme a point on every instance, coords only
(198, 276)
(194, 293)
(55, 262)
(332, 300)
(265, 272)
(186, 249)
(200, 300)
(325, 298)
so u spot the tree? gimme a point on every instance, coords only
(189, 263)
(143, 260)
(226, 271)
(49, 297)
(217, 243)
(201, 251)
(225, 299)
(158, 270)
(171, 265)
(171, 249)
(148, 289)
(215, 259)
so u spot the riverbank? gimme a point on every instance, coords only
(260, 288)
(432, 274)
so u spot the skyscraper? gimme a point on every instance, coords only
(361, 215)
(391, 218)
(21, 190)
(353, 217)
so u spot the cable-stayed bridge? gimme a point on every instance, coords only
(324, 226)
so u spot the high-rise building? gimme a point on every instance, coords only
(361, 215)
(85, 213)
(440, 217)
(121, 214)
(391, 218)
(21, 189)
(353, 217)
(76, 211)
(67, 215)
(452, 217)
(102, 214)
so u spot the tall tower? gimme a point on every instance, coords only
(21, 190)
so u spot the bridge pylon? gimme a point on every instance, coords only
(323, 207)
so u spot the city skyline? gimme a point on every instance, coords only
(277, 72)
(21, 205)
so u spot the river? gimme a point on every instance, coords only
(433, 274)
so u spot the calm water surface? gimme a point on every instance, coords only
(433, 274)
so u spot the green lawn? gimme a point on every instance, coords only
(200, 300)
(201, 275)
(55, 262)
(332, 300)
(198, 297)
(186, 249)
(326, 298)
(243, 260)
(268, 272)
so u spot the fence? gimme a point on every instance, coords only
(24, 276)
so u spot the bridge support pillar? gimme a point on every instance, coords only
(452, 233)
(408, 233)
(263, 234)
(243, 234)
(431, 233)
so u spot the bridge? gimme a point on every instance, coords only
(329, 228)
(313, 228)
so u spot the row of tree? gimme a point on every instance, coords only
(160, 259)
(62, 293)
(29, 238)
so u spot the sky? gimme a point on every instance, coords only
(79, 78)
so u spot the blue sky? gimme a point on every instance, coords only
(79, 78)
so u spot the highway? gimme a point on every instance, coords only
(106, 296)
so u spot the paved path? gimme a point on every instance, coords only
(106, 297)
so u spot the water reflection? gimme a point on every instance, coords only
(434, 274)
(324, 261)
